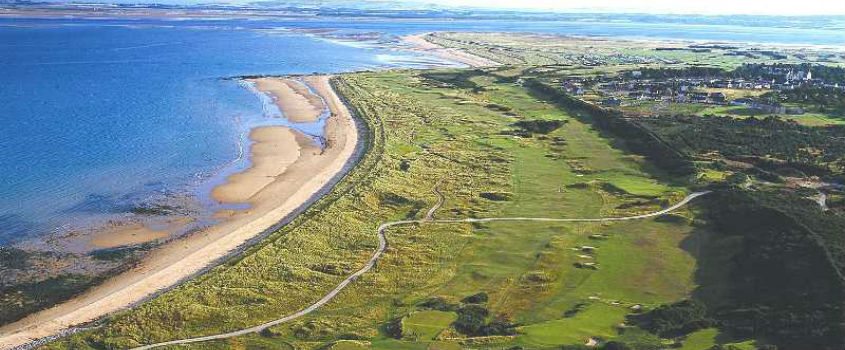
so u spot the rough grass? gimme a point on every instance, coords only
(530, 49)
(421, 134)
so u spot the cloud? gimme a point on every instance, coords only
(768, 7)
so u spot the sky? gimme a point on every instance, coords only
(767, 7)
(706, 7)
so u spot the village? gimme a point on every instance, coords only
(752, 85)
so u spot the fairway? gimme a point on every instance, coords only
(547, 284)
(438, 175)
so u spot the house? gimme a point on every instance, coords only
(611, 102)
(635, 95)
(721, 84)
(699, 97)
(742, 102)
(573, 88)
(718, 97)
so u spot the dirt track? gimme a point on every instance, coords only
(382, 247)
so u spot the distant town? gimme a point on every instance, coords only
(767, 86)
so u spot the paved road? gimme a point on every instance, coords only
(382, 247)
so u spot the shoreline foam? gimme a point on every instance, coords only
(274, 149)
(297, 184)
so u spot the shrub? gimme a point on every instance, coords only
(539, 126)
(438, 303)
(791, 250)
(496, 196)
(477, 298)
(613, 345)
(471, 319)
(574, 310)
(674, 320)
(393, 328)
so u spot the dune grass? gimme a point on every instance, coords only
(420, 134)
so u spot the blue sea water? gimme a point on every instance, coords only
(98, 116)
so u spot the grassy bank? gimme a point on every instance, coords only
(500, 152)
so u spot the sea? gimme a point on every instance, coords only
(100, 117)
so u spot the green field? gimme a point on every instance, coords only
(539, 50)
(421, 134)
(426, 325)
(808, 119)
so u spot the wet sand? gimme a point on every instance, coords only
(273, 151)
(293, 98)
(281, 181)
(125, 235)
(450, 54)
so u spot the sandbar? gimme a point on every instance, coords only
(418, 43)
(296, 182)
(294, 99)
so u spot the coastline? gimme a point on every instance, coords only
(292, 97)
(290, 172)
(418, 43)
(274, 150)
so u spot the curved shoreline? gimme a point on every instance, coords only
(418, 43)
(184, 259)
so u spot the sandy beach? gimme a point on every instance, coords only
(124, 235)
(420, 44)
(274, 149)
(293, 98)
(289, 170)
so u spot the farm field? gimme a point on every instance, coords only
(536, 285)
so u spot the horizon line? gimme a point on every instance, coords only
(413, 6)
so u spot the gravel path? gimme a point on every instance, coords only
(382, 247)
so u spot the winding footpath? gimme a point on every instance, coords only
(382, 247)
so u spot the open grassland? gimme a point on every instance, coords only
(808, 119)
(424, 128)
(654, 108)
(533, 49)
